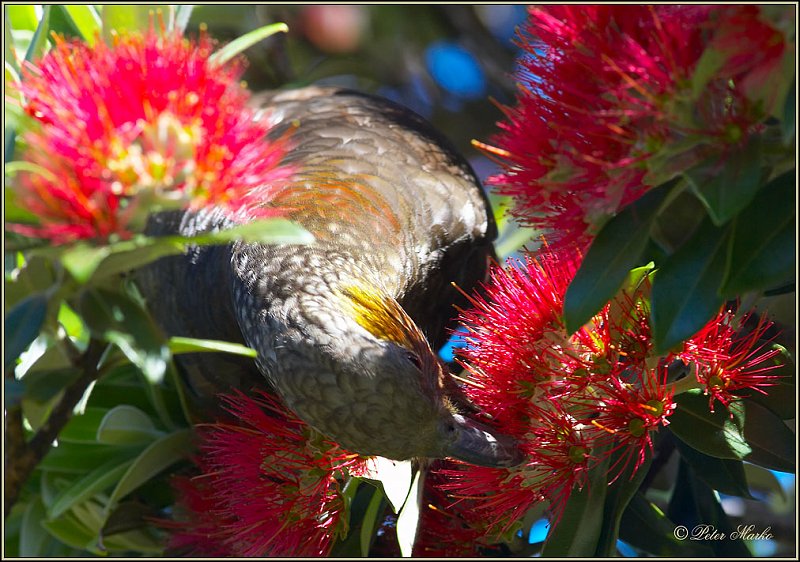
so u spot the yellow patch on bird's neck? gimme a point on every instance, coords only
(381, 316)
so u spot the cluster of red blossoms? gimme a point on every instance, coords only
(616, 100)
(150, 120)
(577, 401)
(268, 485)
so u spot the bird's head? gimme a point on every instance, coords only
(405, 378)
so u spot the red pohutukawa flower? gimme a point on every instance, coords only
(577, 403)
(149, 119)
(269, 486)
(726, 362)
(615, 100)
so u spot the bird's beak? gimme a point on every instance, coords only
(476, 443)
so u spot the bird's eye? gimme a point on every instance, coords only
(415, 360)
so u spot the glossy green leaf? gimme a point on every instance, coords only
(247, 40)
(82, 428)
(774, 444)
(156, 457)
(716, 434)
(96, 481)
(684, 294)
(121, 18)
(763, 244)
(88, 263)
(39, 41)
(79, 458)
(21, 16)
(616, 250)
(92, 263)
(635, 290)
(578, 532)
(370, 521)
(126, 425)
(85, 19)
(618, 497)
(122, 386)
(43, 385)
(408, 518)
(724, 475)
(32, 536)
(22, 325)
(191, 345)
(696, 507)
(262, 231)
(646, 527)
(70, 530)
(763, 482)
(118, 319)
(727, 183)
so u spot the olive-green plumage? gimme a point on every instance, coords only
(342, 325)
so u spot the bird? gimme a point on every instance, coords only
(346, 327)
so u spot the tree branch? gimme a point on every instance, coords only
(24, 457)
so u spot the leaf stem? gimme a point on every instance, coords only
(685, 384)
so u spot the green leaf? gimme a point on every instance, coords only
(21, 16)
(120, 18)
(247, 40)
(78, 458)
(191, 345)
(159, 455)
(684, 293)
(126, 425)
(763, 246)
(88, 263)
(616, 250)
(408, 518)
(724, 475)
(726, 183)
(92, 263)
(103, 477)
(73, 532)
(579, 529)
(262, 231)
(394, 478)
(118, 319)
(43, 385)
(717, 434)
(706, 68)
(22, 325)
(618, 496)
(82, 428)
(39, 41)
(774, 444)
(696, 507)
(763, 481)
(370, 521)
(32, 536)
(646, 527)
(85, 19)
(621, 309)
